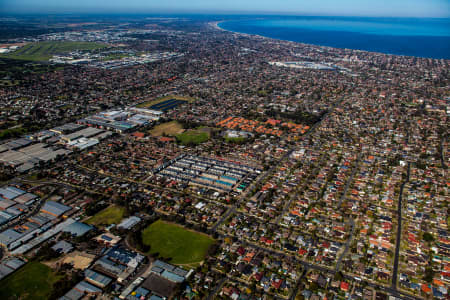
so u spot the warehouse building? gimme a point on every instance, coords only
(129, 223)
(10, 265)
(77, 229)
(81, 290)
(55, 209)
(83, 143)
(83, 133)
(67, 128)
(118, 263)
(26, 158)
(96, 278)
(62, 247)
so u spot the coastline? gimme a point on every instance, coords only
(216, 25)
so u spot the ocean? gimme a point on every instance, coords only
(401, 36)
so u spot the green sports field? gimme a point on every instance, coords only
(33, 281)
(43, 51)
(182, 245)
(192, 137)
(108, 216)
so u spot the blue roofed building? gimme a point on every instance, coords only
(10, 192)
(96, 278)
(110, 267)
(172, 276)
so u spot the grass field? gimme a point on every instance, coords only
(193, 137)
(170, 128)
(43, 51)
(236, 140)
(182, 245)
(33, 281)
(165, 98)
(108, 216)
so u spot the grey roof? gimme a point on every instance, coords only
(129, 222)
(110, 266)
(16, 209)
(84, 286)
(63, 247)
(97, 278)
(4, 271)
(40, 219)
(73, 294)
(15, 190)
(67, 127)
(25, 198)
(180, 272)
(172, 276)
(78, 228)
(6, 215)
(14, 263)
(8, 236)
(10, 192)
(3, 220)
(5, 203)
(55, 208)
(157, 270)
(163, 265)
(142, 291)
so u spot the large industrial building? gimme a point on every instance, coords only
(121, 120)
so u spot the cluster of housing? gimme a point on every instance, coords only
(353, 203)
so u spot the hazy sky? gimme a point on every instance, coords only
(418, 8)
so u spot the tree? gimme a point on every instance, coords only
(429, 274)
(428, 237)
(212, 250)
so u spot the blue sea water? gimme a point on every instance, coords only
(401, 36)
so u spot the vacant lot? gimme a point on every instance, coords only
(43, 51)
(79, 260)
(193, 137)
(108, 216)
(170, 128)
(33, 281)
(182, 245)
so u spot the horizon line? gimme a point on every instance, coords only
(206, 12)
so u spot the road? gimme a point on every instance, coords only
(351, 221)
(441, 146)
(350, 180)
(399, 231)
(297, 285)
(216, 288)
(347, 245)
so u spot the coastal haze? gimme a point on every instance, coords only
(253, 150)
